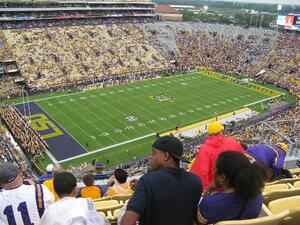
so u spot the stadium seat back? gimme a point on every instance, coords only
(293, 218)
(121, 198)
(282, 204)
(295, 171)
(107, 203)
(267, 220)
(275, 187)
(297, 184)
(277, 194)
(116, 212)
(284, 181)
(102, 199)
(108, 211)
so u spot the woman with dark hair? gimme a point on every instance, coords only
(240, 183)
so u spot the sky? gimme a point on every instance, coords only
(291, 2)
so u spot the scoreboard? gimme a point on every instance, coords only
(289, 22)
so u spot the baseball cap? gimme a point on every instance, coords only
(49, 168)
(170, 144)
(283, 146)
(8, 173)
(215, 127)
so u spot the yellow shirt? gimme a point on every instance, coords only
(119, 189)
(92, 192)
(50, 186)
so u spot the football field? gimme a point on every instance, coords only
(105, 119)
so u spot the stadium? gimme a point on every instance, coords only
(91, 86)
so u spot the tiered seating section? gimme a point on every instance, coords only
(29, 139)
(61, 56)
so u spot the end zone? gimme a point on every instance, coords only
(62, 145)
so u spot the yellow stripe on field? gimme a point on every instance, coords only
(205, 122)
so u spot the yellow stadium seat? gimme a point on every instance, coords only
(295, 171)
(297, 184)
(277, 194)
(116, 213)
(267, 220)
(121, 198)
(106, 203)
(284, 181)
(275, 187)
(282, 204)
(108, 211)
(102, 199)
(293, 218)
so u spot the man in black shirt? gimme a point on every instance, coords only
(168, 195)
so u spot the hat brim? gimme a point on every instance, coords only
(180, 158)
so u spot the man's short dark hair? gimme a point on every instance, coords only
(64, 183)
(88, 179)
(120, 175)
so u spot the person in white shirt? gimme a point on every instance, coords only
(69, 210)
(21, 204)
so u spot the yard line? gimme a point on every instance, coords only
(159, 109)
(108, 147)
(76, 124)
(89, 122)
(64, 130)
(142, 108)
(109, 123)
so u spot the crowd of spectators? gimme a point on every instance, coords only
(29, 139)
(286, 123)
(62, 55)
(218, 52)
(9, 153)
(247, 56)
(282, 64)
(8, 87)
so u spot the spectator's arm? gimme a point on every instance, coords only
(199, 219)
(130, 218)
(278, 162)
(136, 205)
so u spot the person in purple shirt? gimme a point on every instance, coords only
(235, 193)
(46, 176)
(270, 156)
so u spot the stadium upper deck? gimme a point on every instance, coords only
(47, 13)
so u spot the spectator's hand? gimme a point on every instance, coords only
(28, 182)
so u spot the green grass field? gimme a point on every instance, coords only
(108, 119)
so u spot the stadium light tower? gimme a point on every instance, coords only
(279, 7)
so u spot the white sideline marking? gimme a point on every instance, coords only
(102, 94)
(58, 96)
(266, 99)
(105, 148)
(51, 157)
